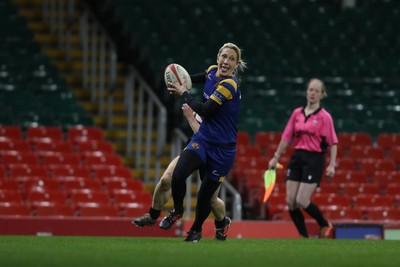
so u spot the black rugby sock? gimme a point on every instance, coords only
(314, 211)
(219, 224)
(298, 219)
(154, 214)
(203, 207)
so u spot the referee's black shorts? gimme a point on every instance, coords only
(306, 167)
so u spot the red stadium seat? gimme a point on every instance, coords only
(348, 140)
(393, 189)
(46, 198)
(395, 155)
(54, 209)
(40, 185)
(263, 140)
(23, 170)
(17, 145)
(254, 174)
(66, 170)
(105, 159)
(382, 177)
(251, 178)
(15, 157)
(79, 134)
(54, 146)
(72, 184)
(353, 189)
(243, 138)
(11, 132)
(350, 177)
(103, 171)
(345, 164)
(328, 189)
(248, 151)
(11, 209)
(133, 184)
(44, 132)
(10, 196)
(395, 177)
(83, 197)
(243, 163)
(135, 210)
(385, 165)
(280, 188)
(276, 200)
(95, 145)
(64, 179)
(362, 151)
(370, 201)
(124, 199)
(370, 165)
(343, 214)
(384, 215)
(388, 140)
(352, 139)
(71, 159)
(98, 210)
(329, 200)
(6, 184)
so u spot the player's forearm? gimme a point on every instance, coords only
(203, 109)
(198, 78)
(333, 155)
(193, 123)
(281, 149)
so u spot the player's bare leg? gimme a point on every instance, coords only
(162, 193)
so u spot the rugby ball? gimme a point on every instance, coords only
(176, 74)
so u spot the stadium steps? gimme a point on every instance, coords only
(71, 72)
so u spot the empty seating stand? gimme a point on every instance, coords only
(45, 171)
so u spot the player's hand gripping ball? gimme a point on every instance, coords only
(177, 75)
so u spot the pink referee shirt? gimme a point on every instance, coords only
(312, 132)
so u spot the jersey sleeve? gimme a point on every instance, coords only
(288, 133)
(329, 131)
(225, 91)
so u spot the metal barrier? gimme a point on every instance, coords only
(99, 74)
(145, 119)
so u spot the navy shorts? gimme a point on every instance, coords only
(306, 167)
(218, 159)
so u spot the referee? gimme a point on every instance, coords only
(312, 132)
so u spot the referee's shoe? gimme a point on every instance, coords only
(326, 232)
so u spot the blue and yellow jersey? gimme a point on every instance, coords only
(221, 127)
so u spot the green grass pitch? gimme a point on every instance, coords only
(27, 251)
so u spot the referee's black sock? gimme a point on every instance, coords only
(154, 214)
(314, 211)
(298, 219)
